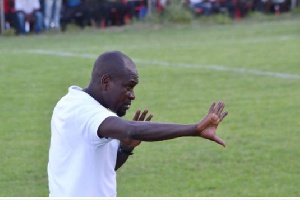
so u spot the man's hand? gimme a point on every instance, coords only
(130, 144)
(208, 125)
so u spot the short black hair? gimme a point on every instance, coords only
(113, 63)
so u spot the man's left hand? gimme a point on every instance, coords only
(131, 144)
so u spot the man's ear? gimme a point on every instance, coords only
(105, 81)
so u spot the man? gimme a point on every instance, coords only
(28, 11)
(201, 6)
(90, 140)
(76, 10)
(8, 13)
(52, 10)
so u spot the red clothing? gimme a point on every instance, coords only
(9, 6)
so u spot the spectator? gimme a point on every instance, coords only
(137, 8)
(216, 7)
(161, 5)
(52, 10)
(28, 15)
(237, 9)
(9, 11)
(201, 7)
(112, 12)
(93, 10)
(265, 6)
(279, 6)
(74, 10)
(119, 11)
(105, 8)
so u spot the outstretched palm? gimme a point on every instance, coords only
(208, 125)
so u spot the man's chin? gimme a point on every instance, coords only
(121, 113)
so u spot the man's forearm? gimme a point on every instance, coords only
(149, 131)
(122, 156)
(118, 128)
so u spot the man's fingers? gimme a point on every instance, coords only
(211, 109)
(224, 114)
(136, 116)
(143, 115)
(149, 118)
(219, 141)
(219, 108)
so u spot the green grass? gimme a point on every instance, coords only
(177, 84)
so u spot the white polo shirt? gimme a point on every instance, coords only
(27, 6)
(80, 163)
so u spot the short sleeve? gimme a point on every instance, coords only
(91, 117)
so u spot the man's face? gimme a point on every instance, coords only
(121, 92)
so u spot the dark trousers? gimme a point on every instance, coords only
(79, 14)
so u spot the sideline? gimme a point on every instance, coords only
(180, 65)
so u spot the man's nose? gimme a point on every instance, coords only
(132, 95)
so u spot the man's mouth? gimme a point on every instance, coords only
(127, 106)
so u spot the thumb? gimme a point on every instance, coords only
(219, 141)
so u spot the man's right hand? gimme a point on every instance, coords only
(208, 125)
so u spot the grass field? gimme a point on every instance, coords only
(253, 66)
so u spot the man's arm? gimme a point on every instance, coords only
(126, 146)
(115, 127)
(122, 156)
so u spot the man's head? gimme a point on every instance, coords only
(113, 78)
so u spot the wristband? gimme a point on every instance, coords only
(126, 152)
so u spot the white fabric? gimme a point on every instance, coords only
(163, 3)
(195, 1)
(80, 163)
(28, 6)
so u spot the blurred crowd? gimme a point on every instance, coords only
(238, 8)
(27, 16)
(41, 15)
